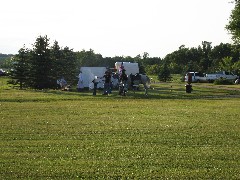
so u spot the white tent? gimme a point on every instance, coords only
(131, 68)
(90, 73)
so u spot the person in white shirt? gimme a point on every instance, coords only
(80, 82)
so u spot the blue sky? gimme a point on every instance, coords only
(115, 27)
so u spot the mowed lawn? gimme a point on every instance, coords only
(168, 135)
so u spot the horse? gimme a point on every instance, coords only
(115, 81)
(123, 88)
(137, 79)
(134, 82)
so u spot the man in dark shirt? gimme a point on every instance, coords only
(123, 83)
(107, 83)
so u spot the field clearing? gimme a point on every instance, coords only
(170, 134)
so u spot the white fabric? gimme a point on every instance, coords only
(80, 81)
(131, 68)
(89, 73)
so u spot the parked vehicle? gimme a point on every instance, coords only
(196, 77)
(221, 74)
(199, 77)
(237, 81)
(2, 72)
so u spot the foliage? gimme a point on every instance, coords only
(89, 58)
(41, 66)
(69, 65)
(5, 60)
(21, 68)
(223, 81)
(233, 25)
(164, 74)
(228, 64)
(236, 67)
(153, 69)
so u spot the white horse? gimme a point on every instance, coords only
(134, 82)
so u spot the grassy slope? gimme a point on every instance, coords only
(170, 134)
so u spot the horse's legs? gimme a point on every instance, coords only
(146, 89)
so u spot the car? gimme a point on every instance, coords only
(196, 77)
(2, 72)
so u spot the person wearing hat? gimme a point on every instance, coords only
(123, 83)
(107, 83)
(123, 76)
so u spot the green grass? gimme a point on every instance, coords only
(168, 135)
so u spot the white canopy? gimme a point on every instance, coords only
(131, 68)
(90, 73)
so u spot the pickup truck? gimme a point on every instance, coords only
(199, 77)
(196, 77)
(221, 74)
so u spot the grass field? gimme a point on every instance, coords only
(170, 134)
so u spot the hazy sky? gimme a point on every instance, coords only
(115, 27)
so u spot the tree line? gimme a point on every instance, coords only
(42, 65)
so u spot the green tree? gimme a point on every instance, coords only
(236, 67)
(70, 69)
(41, 64)
(6, 60)
(218, 53)
(153, 69)
(58, 63)
(205, 62)
(164, 74)
(20, 68)
(89, 58)
(64, 64)
(227, 64)
(234, 23)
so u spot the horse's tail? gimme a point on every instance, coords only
(145, 81)
(148, 81)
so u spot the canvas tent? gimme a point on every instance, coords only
(131, 68)
(90, 73)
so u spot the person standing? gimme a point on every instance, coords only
(80, 82)
(107, 83)
(95, 83)
(123, 87)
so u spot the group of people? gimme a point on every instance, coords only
(107, 88)
(121, 79)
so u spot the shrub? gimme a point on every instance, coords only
(223, 81)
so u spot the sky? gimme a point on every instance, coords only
(115, 27)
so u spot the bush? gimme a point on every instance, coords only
(223, 81)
